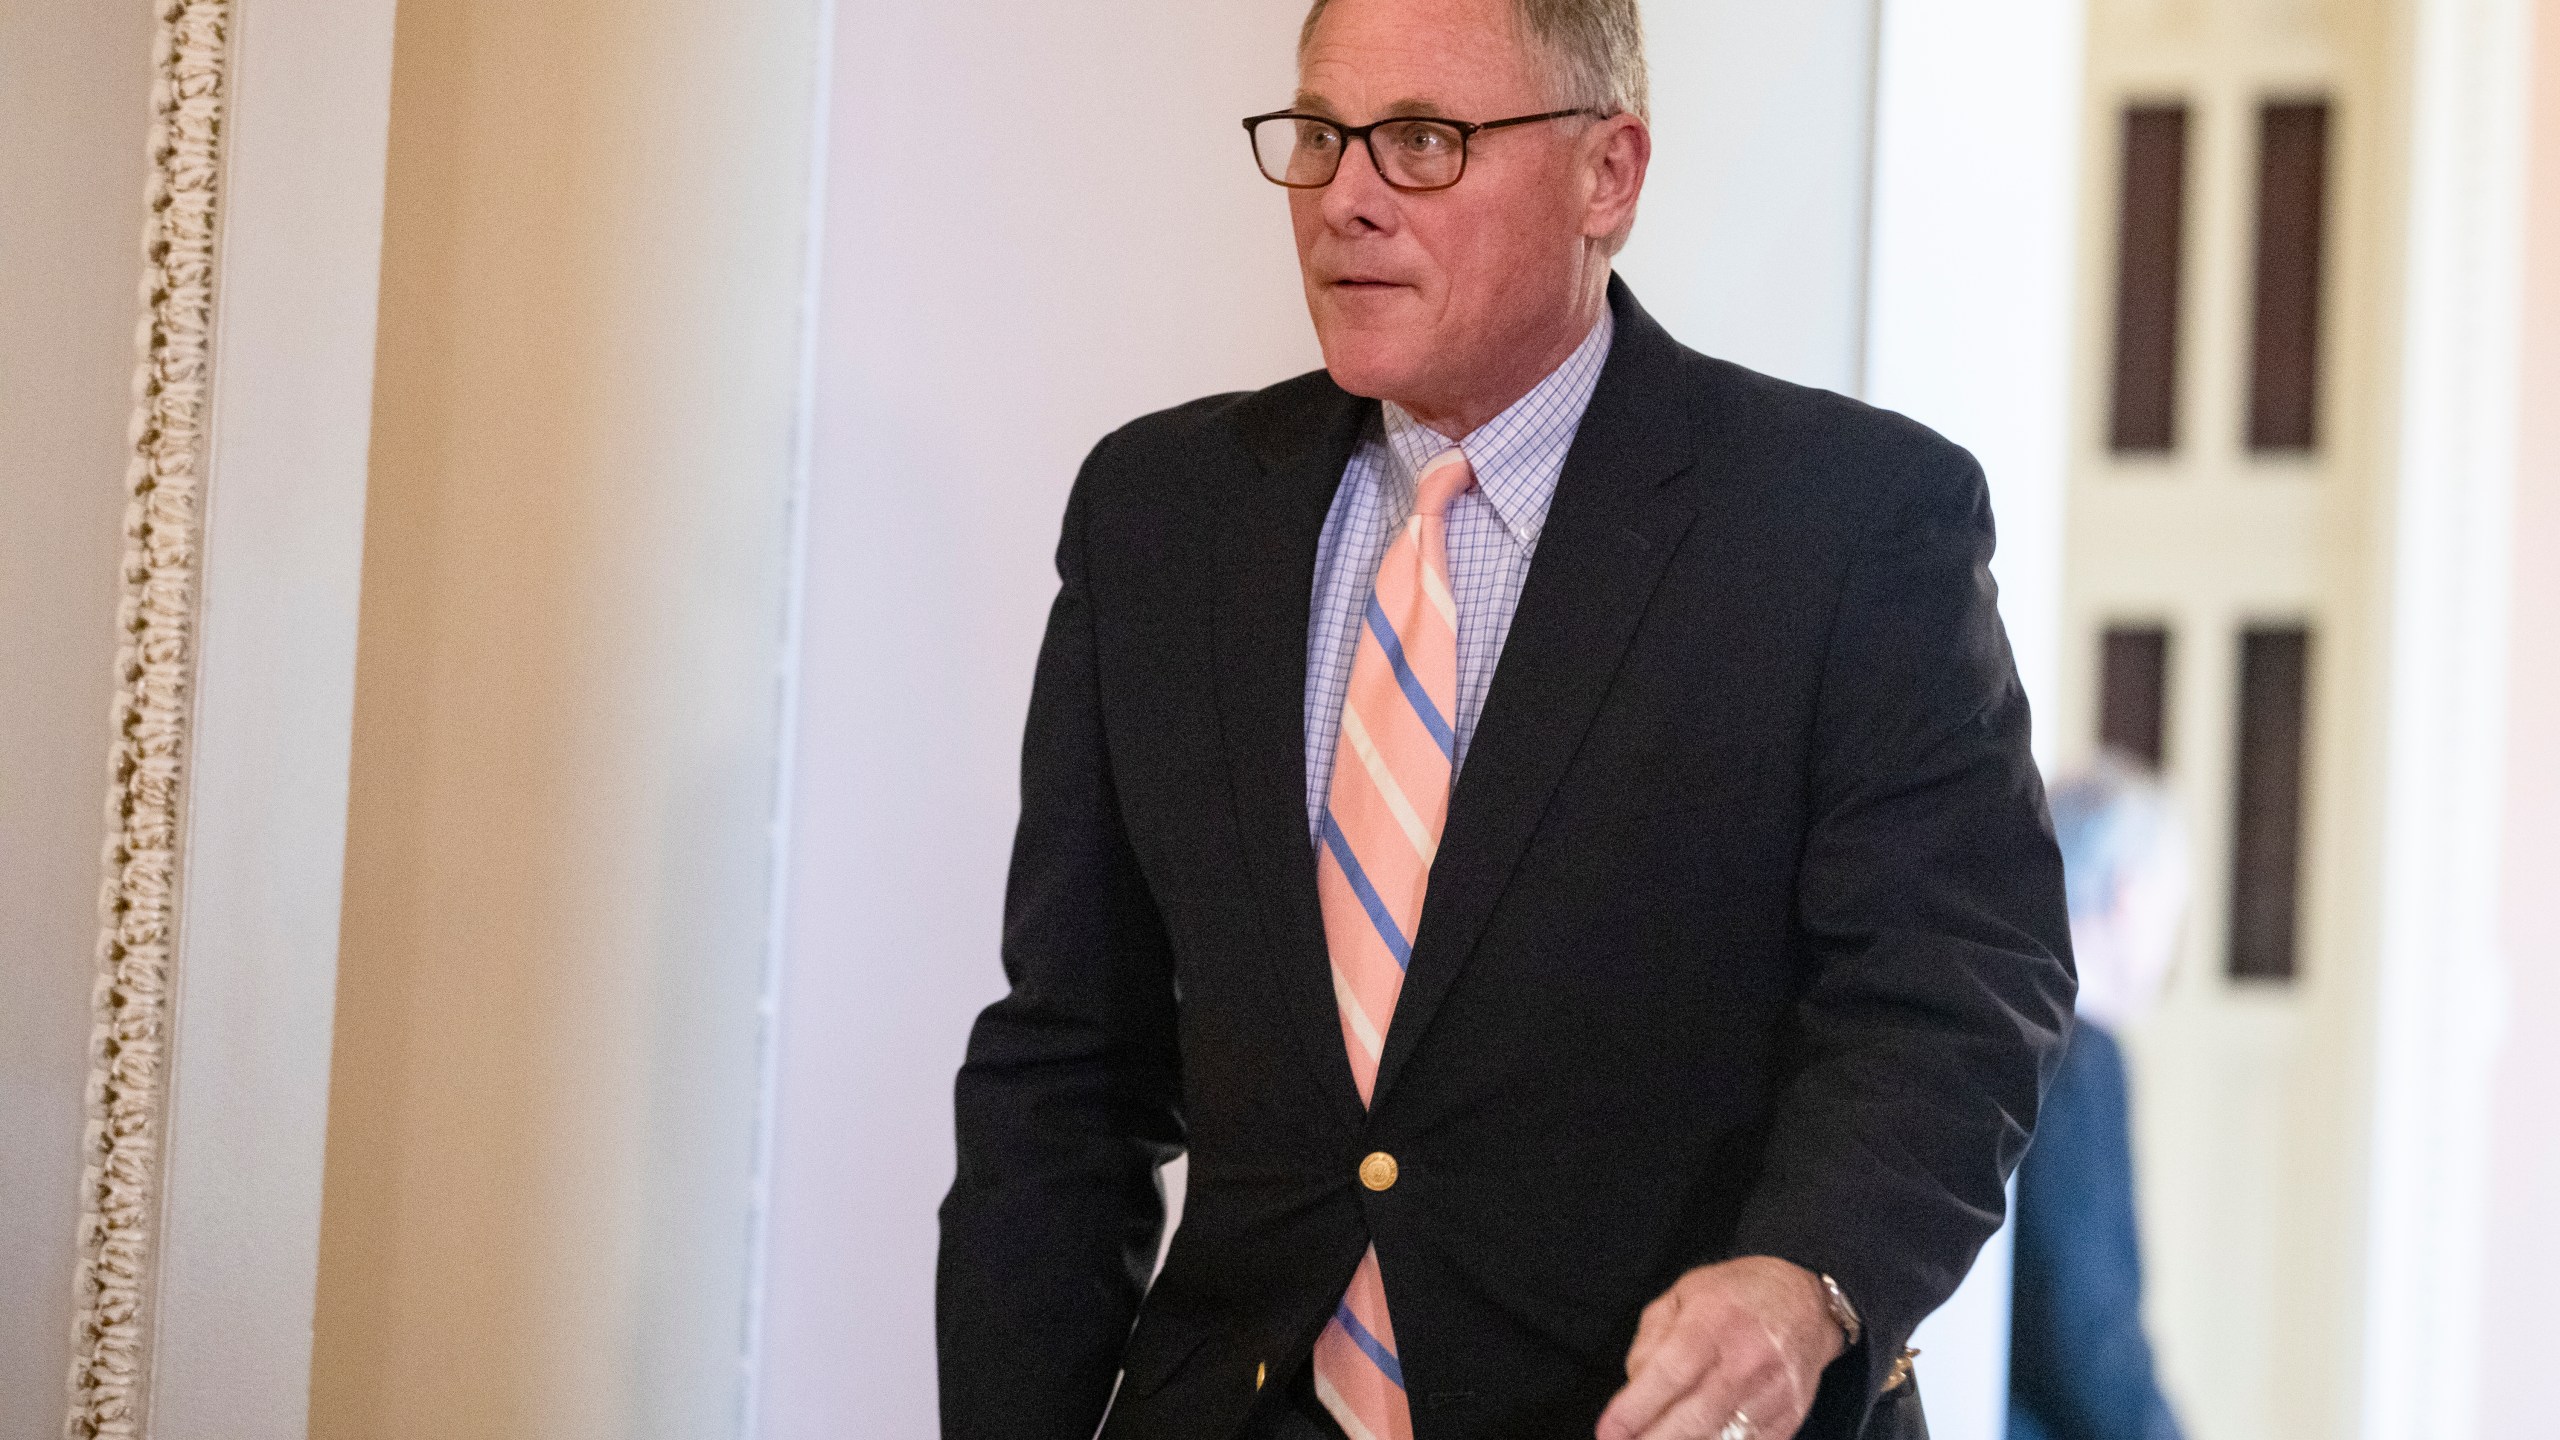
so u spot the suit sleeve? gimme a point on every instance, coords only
(1930, 902)
(1068, 1099)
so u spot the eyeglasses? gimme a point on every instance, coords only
(1414, 154)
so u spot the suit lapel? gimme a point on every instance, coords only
(1267, 556)
(1610, 533)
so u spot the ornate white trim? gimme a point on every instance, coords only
(127, 1098)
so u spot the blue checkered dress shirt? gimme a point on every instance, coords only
(1518, 456)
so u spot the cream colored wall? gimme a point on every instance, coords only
(2523, 1250)
(74, 103)
(543, 1099)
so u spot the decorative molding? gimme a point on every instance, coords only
(127, 1094)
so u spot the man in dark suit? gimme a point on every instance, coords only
(1542, 817)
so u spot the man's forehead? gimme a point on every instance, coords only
(1406, 57)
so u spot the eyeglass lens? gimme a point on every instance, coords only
(1413, 154)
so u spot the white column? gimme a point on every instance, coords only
(301, 217)
(2440, 981)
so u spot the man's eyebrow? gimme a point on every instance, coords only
(1315, 104)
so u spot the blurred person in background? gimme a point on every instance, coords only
(2079, 1364)
(1698, 1079)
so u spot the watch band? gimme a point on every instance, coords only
(1843, 1314)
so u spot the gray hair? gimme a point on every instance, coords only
(1594, 50)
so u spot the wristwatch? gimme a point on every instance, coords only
(1843, 1314)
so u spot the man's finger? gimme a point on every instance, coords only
(1653, 1327)
(1770, 1396)
(1667, 1374)
(1701, 1414)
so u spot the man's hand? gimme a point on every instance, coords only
(1747, 1338)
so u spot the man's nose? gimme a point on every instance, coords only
(1359, 197)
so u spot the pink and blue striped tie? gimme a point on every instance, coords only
(1382, 825)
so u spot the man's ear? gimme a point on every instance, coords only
(1618, 151)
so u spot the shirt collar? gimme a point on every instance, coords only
(1519, 454)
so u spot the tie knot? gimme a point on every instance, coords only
(1447, 477)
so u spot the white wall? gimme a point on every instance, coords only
(975, 339)
(987, 317)
(2524, 1192)
(1969, 325)
(1752, 242)
(75, 103)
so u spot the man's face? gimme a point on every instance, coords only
(1432, 299)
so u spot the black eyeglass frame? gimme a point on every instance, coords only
(1467, 130)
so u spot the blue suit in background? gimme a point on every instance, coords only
(2079, 1365)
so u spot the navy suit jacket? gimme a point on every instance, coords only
(1746, 935)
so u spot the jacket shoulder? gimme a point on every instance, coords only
(1156, 489)
(1777, 412)
(1867, 462)
(1239, 426)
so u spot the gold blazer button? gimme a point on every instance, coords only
(1378, 1172)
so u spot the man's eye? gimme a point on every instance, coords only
(1316, 137)
(1425, 140)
